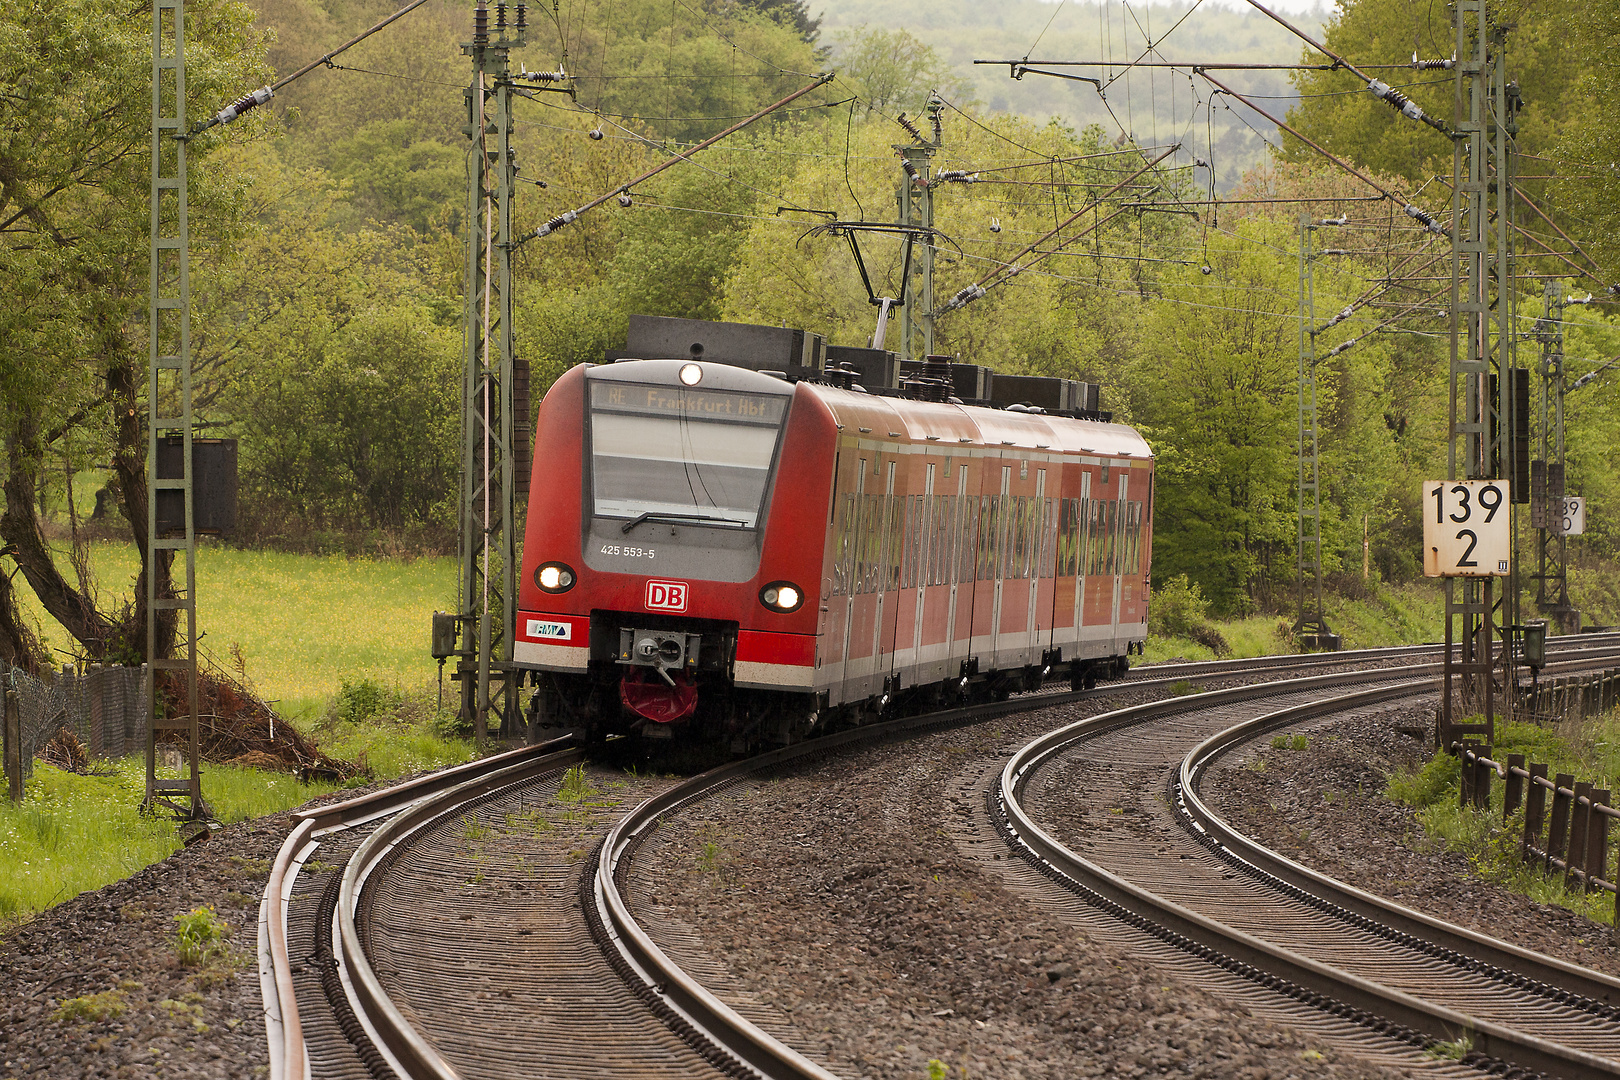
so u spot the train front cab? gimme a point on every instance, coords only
(664, 557)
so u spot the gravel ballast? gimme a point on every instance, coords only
(851, 901)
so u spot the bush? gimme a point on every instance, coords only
(360, 701)
(1178, 609)
(201, 935)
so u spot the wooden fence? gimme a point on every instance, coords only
(1576, 697)
(1566, 821)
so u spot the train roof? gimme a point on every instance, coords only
(907, 418)
(945, 423)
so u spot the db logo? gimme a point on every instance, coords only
(666, 595)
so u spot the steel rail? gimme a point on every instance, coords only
(289, 1059)
(1561, 643)
(1260, 861)
(1304, 978)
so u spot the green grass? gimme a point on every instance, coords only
(1391, 615)
(72, 833)
(304, 623)
(1589, 752)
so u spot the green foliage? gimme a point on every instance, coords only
(894, 72)
(1178, 609)
(362, 700)
(107, 1005)
(201, 936)
(71, 833)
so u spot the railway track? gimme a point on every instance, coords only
(341, 1000)
(1177, 873)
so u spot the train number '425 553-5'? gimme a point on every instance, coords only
(627, 552)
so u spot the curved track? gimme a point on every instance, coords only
(1212, 894)
(351, 875)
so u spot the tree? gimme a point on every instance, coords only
(894, 72)
(74, 135)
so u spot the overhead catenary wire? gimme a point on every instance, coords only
(1012, 268)
(569, 216)
(1411, 209)
(265, 93)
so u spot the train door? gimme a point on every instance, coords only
(1001, 522)
(921, 562)
(1117, 549)
(888, 584)
(959, 564)
(852, 571)
(1037, 555)
(1083, 542)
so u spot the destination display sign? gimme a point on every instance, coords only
(642, 400)
(1467, 528)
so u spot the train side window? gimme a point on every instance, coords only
(1111, 529)
(1049, 525)
(981, 537)
(895, 544)
(844, 567)
(1027, 532)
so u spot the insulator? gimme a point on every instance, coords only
(1431, 65)
(909, 126)
(500, 17)
(939, 130)
(480, 24)
(238, 107)
(1342, 219)
(543, 76)
(1336, 251)
(1200, 163)
(555, 223)
(522, 17)
(958, 176)
(1424, 218)
(624, 198)
(596, 134)
(1337, 319)
(1397, 100)
(995, 224)
(911, 171)
(964, 297)
(1206, 269)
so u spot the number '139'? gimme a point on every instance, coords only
(1477, 546)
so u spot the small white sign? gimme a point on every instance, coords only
(557, 631)
(1466, 528)
(1574, 515)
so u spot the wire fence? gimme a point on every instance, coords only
(104, 706)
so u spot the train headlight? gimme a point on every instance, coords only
(555, 577)
(781, 596)
(691, 374)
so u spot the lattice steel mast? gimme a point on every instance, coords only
(1310, 626)
(168, 408)
(916, 198)
(488, 544)
(1481, 347)
(1547, 477)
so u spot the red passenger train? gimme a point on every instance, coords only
(719, 551)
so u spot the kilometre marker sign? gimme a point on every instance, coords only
(1466, 528)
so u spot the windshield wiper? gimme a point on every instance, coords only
(659, 515)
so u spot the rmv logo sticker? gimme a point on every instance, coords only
(666, 595)
(559, 630)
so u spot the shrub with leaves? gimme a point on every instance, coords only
(1179, 609)
(201, 936)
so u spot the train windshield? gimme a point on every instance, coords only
(702, 456)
